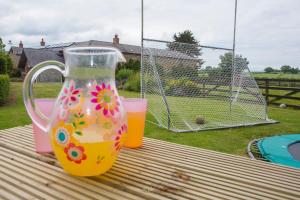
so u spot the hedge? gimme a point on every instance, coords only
(133, 83)
(4, 88)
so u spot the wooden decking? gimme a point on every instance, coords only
(159, 170)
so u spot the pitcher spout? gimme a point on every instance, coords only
(121, 57)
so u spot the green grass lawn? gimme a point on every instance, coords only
(233, 141)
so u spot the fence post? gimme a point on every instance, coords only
(267, 91)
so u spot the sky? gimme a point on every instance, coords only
(268, 31)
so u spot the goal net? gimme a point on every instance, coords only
(191, 88)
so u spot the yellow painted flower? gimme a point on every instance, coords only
(62, 133)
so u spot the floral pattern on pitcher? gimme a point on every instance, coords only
(79, 122)
(70, 99)
(62, 133)
(75, 153)
(119, 139)
(105, 99)
(86, 120)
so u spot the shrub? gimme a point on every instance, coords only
(133, 83)
(188, 71)
(131, 64)
(3, 63)
(15, 73)
(124, 74)
(182, 87)
(4, 88)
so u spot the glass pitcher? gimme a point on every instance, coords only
(88, 123)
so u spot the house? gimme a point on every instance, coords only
(15, 54)
(29, 57)
(26, 58)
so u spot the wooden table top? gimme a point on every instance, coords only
(158, 170)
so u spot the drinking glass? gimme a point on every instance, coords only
(136, 115)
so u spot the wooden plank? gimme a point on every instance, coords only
(160, 184)
(244, 163)
(160, 198)
(203, 179)
(162, 181)
(281, 88)
(217, 161)
(8, 191)
(279, 79)
(138, 190)
(160, 146)
(286, 96)
(222, 156)
(53, 185)
(54, 174)
(210, 153)
(126, 188)
(159, 170)
(143, 161)
(280, 186)
(5, 195)
(225, 161)
(22, 185)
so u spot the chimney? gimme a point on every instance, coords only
(43, 43)
(21, 44)
(116, 40)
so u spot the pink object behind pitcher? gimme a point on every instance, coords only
(41, 139)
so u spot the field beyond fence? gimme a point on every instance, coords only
(263, 75)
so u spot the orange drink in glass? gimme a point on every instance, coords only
(136, 115)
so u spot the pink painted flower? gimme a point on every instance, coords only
(105, 99)
(75, 153)
(119, 139)
(70, 96)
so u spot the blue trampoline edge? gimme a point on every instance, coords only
(277, 149)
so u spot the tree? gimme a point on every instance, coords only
(226, 64)
(6, 64)
(185, 37)
(294, 71)
(269, 70)
(208, 68)
(285, 69)
(2, 46)
(9, 64)
(185, 42)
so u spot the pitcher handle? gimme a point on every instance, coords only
(36, 115)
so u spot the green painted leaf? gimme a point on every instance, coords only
(78, 132)
(81, 116)
(82, 123)
(74, 124)
(76, 115)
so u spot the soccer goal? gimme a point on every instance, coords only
(187, 92)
